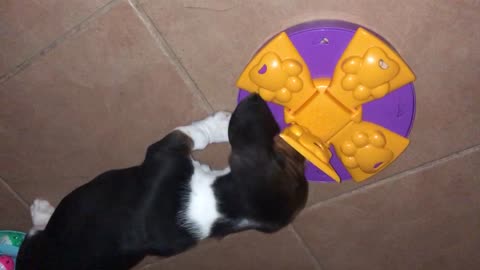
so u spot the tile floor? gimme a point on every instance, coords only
(86, 85)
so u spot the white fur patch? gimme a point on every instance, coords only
(41, 211)
(201, 211)
(213, 129)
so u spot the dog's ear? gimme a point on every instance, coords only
(252, 124)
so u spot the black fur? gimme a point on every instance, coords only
(119, 217)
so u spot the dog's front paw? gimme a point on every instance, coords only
(213, 129)
(222, 116)
(218, 126)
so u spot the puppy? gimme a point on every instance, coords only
(170, 202)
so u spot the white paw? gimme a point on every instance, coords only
(41, 211)
(223, 116)
(213, 129)
(218, 126)
(222, 172)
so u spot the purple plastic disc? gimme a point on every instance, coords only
(321, 44)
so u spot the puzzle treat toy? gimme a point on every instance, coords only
(10, 242)
(342, 95)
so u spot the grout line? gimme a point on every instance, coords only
(397, 176)
(14, 193)
(66, 35)
(170, 54)
(316, 263)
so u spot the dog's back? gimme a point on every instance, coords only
(170, 202)
(113, 221)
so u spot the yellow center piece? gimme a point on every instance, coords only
(328, 111)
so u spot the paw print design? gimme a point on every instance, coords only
(276, 79)
(366, 151)
(369, 75)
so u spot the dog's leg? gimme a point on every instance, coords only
(213, 129)
(41, 211)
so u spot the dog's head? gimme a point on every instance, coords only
(266, 173)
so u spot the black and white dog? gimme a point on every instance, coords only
(170, 202)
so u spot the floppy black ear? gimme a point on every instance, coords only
(252, 124)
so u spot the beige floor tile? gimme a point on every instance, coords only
(215, 39)
(149, 260)
(13, 214)
(27, 27)
(427, 220)
(244, 251)
(94, 103)
(320, 191)
(215, 155)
